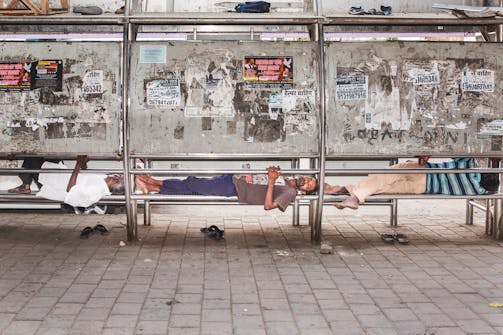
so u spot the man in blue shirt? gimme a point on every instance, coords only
(417, 183)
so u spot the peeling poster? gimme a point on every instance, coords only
(164, 93)
(493, 128)
(351, 87)
(481, 80)
(92, 83)
(298, 100)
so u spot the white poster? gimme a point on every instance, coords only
(92, 83)
(351, 87)
(164, 92)
(478, 81)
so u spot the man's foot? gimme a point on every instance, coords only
(21, 189)
(141, 185)
(120, 10)
(351, 202)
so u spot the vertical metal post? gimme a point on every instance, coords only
(146, 204)
(499, 28)
(469, 212)
(295, 214)
(394, 213)
(316, 225)
(131, 226)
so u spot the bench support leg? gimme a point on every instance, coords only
(469, 212)
(498, 229)
(132, 221)
(146, 213)
(394, 213)
(295, 214)
(315, 221)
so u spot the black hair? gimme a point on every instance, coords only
(490, 182)
(297, 183)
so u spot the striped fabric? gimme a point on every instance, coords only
(454, 183)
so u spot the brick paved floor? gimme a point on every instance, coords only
(265, 278)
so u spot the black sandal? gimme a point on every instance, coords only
(101, 228)
(213, 232)
(401, 238)
(86, 232)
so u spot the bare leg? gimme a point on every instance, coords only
(334, 189)
(351, 202)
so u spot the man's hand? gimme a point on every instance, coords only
(423, 159)
(82, 161)
(273, 173)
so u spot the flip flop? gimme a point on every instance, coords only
(86, 232)
(401, 238)
(388, 238)
(21, 189)
(209, 229)
(101, 228)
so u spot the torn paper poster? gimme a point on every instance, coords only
(351, 87)
(298, 100)
(481, 80)
(494, 128)
(153, 54)
(92, 83)
(164, 93)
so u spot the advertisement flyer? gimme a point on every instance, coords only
(15, 76)
(47, 74)
(268, 71)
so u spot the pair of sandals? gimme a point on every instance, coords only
(213, 232)
(390, 238)
(87, 231)
(385, 10)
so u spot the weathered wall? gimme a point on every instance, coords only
(82, 116)
(193, 98)
(400, 98)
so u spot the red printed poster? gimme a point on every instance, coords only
(15, 76)
(268, 71)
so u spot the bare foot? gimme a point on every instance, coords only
(141, 185)
(351, 202)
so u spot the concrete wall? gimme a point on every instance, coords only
(193, 98)
(82, 116)
(407, 98)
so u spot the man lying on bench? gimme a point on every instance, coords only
(418, 183)
(271, 190)
(78, 190)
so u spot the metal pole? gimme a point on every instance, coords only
(146, 204)
(469, 212)
(316, 226)
(131, 226)
(499, 29)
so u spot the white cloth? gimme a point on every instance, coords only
(88, 190)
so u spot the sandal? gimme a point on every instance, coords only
(388, 238)
(101, 228)
(401, 238)
(21, 189)
(213, 232)
(86, 232)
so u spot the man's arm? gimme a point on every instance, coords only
(272, 175)
(81, 164)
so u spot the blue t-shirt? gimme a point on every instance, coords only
(219, 185)
(454, 183)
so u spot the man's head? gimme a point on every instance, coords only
(115, 183)
(306, 184)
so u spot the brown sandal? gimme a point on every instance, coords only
(21, 189)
